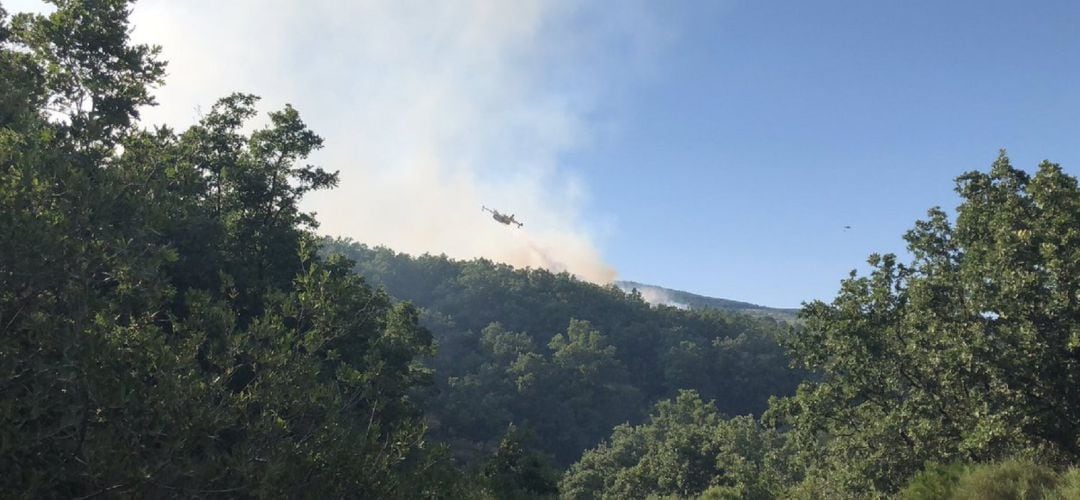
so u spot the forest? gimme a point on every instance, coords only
(172, 325)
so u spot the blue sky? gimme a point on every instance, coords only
(768, 126)
(715, 147)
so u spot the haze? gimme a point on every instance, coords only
(715, 147)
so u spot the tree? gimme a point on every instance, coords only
(1013, 479)
(515, 472)
(971, 353)
(609, 356)
(687, 448)
(78, 64)
(166, 327)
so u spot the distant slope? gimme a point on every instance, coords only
(658, 295)
(563, 358)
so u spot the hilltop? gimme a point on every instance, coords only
(686, 300)
(562, 358)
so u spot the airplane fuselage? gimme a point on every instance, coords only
(503, 218)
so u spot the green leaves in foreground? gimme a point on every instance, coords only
(968, 354)
(165, 326)
(685, 449)
(1011, 479)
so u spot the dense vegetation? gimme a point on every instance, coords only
(169, 329)
(564, 359)
(681, 299)
(170, 326)
(970, 354)
(1010, 479)
(686, 448)
(165, 326)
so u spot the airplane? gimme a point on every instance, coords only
(502, 218)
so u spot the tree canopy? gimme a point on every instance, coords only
(167, 328)
(563, 358)
(170, 325)
(969, 353)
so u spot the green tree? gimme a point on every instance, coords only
(971, 353)
(515, 472)
(166, 328)
(78, 65)
(687, 448)
(571, 393)
(1007, 480)
(249, 188)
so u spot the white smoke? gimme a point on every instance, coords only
(429, 109)
(658, 297)
(655, 296)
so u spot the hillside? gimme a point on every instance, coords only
(171, 326)
(563, 358)
(678, 298)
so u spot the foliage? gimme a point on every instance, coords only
(969, 354)
(1010, 480)
(566, 359)
(1068, 486)
(1007, 480)
(514, 472)
(934, 482)
(166, 328)
(694, 301)
(169, 328)
(687, 448)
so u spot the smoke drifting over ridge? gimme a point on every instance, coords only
(659, 297)
(429, 110)
(653, 295)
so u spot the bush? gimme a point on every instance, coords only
(1011, 480)
(936, 481)
(1068, 487)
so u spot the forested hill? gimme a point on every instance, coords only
(167, 330)
(566, 359)
(678, 298)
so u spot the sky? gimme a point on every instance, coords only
(715, 147)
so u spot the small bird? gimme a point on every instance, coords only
(846, 228)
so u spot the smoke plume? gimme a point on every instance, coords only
(655, 296)
(658, 297)
(429, 109)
